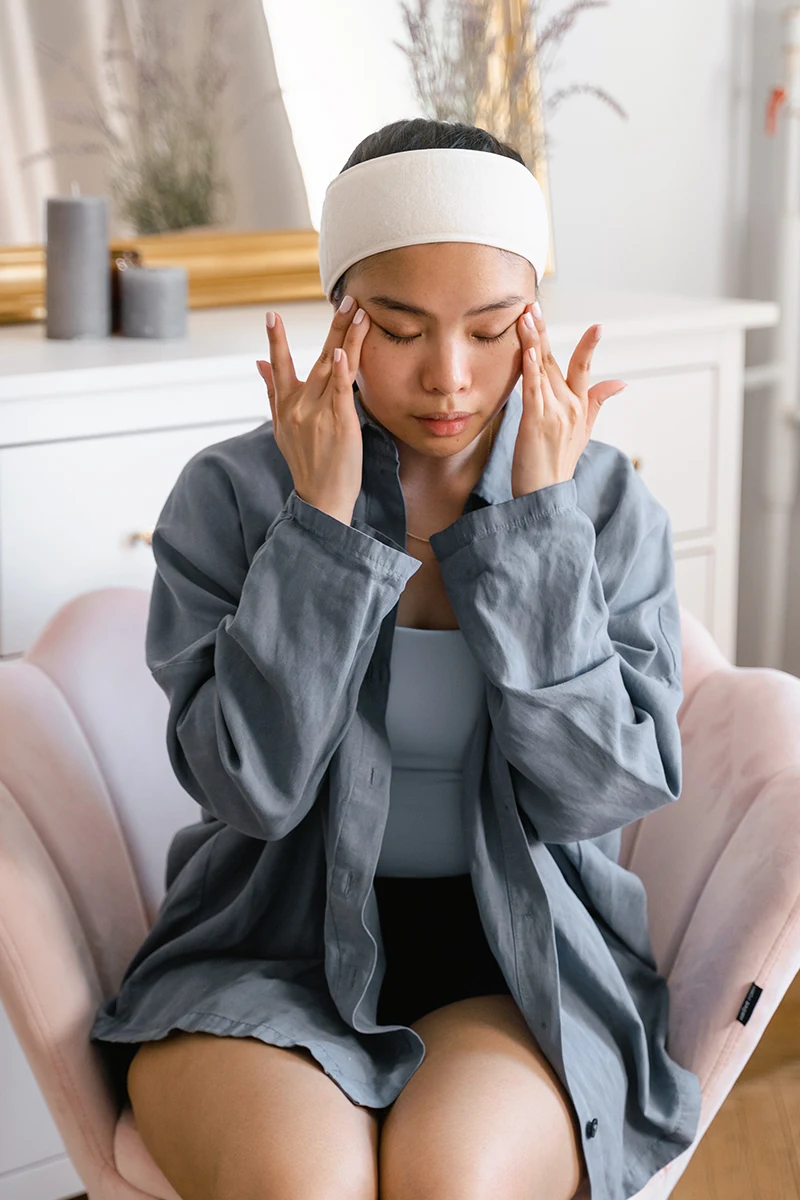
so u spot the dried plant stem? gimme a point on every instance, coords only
(455, 71)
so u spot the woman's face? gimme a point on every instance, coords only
(451, 359)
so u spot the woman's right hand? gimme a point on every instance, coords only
(315, 422)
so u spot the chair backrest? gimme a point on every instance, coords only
(93, 650)
(83, 756)
(83, 753)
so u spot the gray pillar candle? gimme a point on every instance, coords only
(153, 302)
(78, 277)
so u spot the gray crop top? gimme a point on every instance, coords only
(435, 693)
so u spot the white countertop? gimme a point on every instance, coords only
(225, 340)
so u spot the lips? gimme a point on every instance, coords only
(446, 428)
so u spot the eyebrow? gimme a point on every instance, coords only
(394, 305)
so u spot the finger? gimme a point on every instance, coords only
(354, 341)
(284, 376)
(340, 380)
(529, 336)
(551, 367)
(265, 371)
(597, 396)
(580, 365)
(341, 322)
(533, 375)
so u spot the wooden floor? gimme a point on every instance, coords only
(751, 1150)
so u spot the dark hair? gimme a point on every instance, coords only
(420, 133)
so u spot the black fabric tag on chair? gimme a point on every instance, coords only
(750, 1001)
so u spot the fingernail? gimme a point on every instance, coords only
(359, 317)
(346, 304)
(528, 320)
(537, 309)
(598, 332)
(270, 320)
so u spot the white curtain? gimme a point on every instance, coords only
(48, 46)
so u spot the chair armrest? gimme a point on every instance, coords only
(740, 731)
(745, 929)
(721, 867)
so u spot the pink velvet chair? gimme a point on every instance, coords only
(89, 803)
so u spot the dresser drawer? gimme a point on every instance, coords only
(68, 513)
(668, 422)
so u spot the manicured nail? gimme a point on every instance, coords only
(528, 320)
(537, 309)
(359, 317)
(270, 320)
(346, 304)
(598, 332)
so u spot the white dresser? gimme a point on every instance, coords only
(94, 433)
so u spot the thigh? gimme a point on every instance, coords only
(484, 1114)
(233, 1118)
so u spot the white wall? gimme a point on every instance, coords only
(761, 249)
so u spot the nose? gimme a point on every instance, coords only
(445, 368)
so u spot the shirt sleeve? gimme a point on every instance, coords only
(261, 662)
(577, 630)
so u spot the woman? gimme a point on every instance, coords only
(452, 994)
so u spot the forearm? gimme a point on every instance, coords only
(259, 704)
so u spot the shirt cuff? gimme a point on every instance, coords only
(357, 539)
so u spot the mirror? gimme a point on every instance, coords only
(213, 128)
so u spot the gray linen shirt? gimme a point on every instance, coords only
(270, 631)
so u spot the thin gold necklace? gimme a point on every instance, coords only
(422, 539)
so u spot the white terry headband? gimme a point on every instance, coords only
(437, 195)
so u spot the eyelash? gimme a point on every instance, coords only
(393, 337)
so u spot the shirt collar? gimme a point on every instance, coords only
(494, 485)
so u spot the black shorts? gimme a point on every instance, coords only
(436, 952)
(436, 948)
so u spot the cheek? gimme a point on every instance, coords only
(381, 359)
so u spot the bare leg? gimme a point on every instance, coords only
(484, 1115)
(232, 1118)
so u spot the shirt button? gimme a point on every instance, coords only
(591, 1127)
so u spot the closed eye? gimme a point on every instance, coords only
(393, 337)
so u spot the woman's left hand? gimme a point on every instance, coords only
(557, 413)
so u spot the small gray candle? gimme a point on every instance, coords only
(78, 278)
(153, 302)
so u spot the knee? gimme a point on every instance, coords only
(349, 1179)
(477, 1172)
